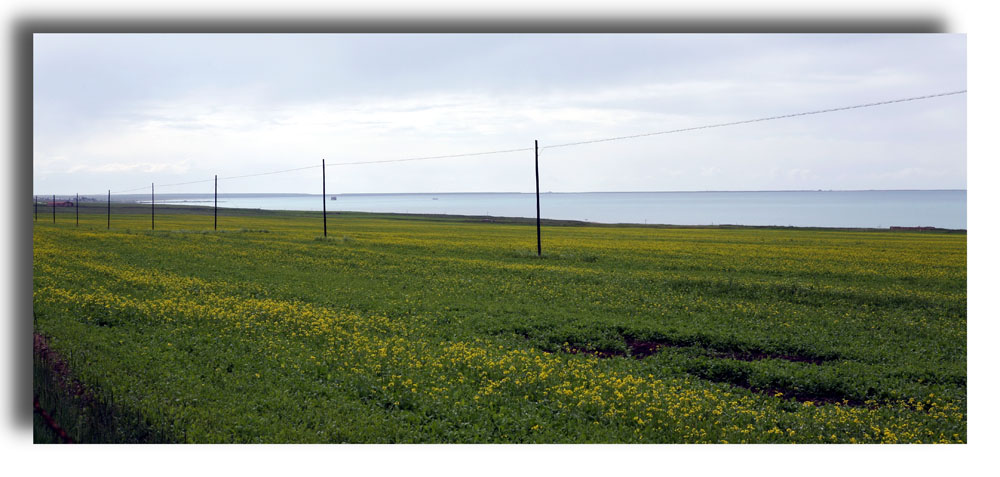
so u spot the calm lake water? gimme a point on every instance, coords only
(879, 209)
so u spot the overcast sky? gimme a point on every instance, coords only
(122, 111)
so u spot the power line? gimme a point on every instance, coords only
(420, 158)
(221, 178)
(569, 144)
(770, 118)
(267, 173)
(185, 183)
(424, 158)
(129, 190)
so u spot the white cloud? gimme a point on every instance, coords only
(149, 167)
(191, 121)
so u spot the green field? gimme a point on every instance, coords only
(414, 329)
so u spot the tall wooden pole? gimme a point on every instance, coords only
(216, 202)
(152, 204)
(36, 208)
(77, 209)
(53, 204)
(538, 206)
(109, 209)
(324, 197)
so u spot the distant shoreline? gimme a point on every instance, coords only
(130, 208)
(133, 196)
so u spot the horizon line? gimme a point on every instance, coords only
(528, 192)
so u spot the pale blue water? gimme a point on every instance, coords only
(879, 209)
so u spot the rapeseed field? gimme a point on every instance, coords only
(405, 329)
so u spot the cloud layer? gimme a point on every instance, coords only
(119, 111)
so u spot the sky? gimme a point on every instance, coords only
(122, 111)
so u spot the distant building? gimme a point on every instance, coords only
(64, 203)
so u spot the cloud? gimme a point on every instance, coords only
(183, 107)
(148, 167)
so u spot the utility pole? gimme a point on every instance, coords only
(216, 202)
(53, 204)
(152, 204)
(77, 209)
(36, 208)
(538, 206)
(324, 197)
(109, 209)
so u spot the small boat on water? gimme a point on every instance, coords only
(333, 198)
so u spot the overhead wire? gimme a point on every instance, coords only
(424, 158)
(570, 144)
(747, 121)
(270, 173)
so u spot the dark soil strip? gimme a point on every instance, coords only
(104, 422)
(637, 349)
(755, 356)
(641, 349)
(597, 353)
(64, 379)
(60, 368)
(52, 423)
(803, 397)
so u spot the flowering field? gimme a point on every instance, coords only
(415, 330)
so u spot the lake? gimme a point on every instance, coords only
(865, 209)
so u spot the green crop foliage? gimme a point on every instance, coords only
(402, 329)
